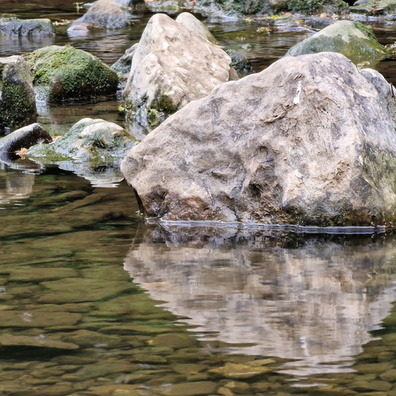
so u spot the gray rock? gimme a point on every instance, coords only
(107, 13)
(352, 39)
(22, 138)
(171, 67)
(192, 23)
(123, 66)
(17, 98)
(25, 27)
(309, 140)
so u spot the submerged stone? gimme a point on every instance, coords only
(352, 39)
(69, 290)
(8, 340)
(26, 27)
(35, 318)
(239, 370)
(310, 141)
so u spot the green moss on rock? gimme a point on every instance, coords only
(352, 39)
(66, 73)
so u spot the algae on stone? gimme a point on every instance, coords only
(65, 74)
(352, 39)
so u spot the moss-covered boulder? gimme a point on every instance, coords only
(64, 73)
(375, 7)
(352, 39)
(24, 27)
(17, 99)
(93, 140)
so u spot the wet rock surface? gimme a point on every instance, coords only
(300, 143)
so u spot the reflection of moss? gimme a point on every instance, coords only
(62, 73)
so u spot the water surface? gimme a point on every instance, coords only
(94, 301)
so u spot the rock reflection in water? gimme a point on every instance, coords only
(312, 299)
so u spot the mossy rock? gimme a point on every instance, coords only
(352, 39)
(316, 6)
(376, 7)
(92, 140)
(17, 99)
(68, 74)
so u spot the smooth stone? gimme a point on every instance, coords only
(175, 340)
(29, 274)
(86, 338)
(188, 368)
(238, 370)
(148, 358)
(374, 385)
(188, 389)
(31, 319)
(373, 368)
(389, 375)
(81, 290)
(7, 340)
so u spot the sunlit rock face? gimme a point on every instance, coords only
(314, 300)
(310, 140)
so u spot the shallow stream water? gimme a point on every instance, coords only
(94, 301)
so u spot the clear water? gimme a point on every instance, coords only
(94, 301)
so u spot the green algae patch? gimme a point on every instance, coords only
(68, 74)
(352, 39)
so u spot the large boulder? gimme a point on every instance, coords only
(171, 66)
(26, 27)
(17, 98)
(64, 73)
(310, 140)
(106, 13)
(352, 39)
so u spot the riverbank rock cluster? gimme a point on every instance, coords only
(309, 140)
